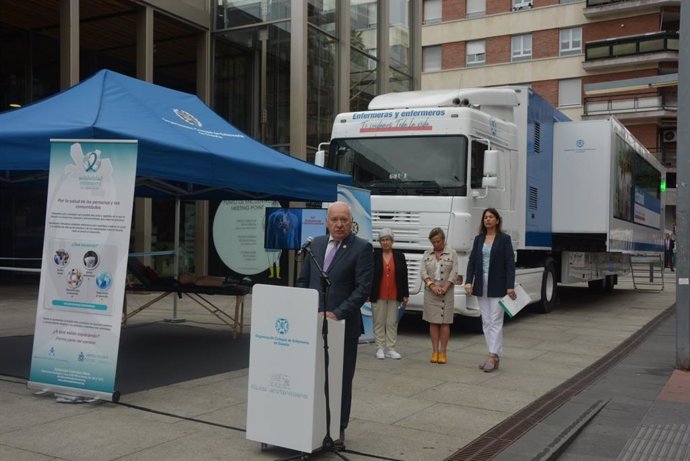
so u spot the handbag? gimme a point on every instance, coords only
(401, 311)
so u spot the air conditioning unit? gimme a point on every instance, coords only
(520, 6)
(668, 135)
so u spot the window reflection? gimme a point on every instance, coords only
(233, 13)
(322, 14)
(362, 80)
(321, 91)
(399, 33)
(238, 81)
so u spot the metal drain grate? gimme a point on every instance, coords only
(660, 442)
(488, 445)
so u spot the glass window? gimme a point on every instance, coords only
(363, 24)
(571, 41)
(477, 164)
(233, 13)
(432, 11)
(399, 81)
(431, 56)
(321, 87)
(322, 14)
(476, 52)
(570, 92)
(521, 47)
(476, 8)
(238, 75)
(394, 166)
(362, 79)
(399, 33)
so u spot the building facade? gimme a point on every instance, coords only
(590, 58)
(280, 70)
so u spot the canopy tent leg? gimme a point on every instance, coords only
(176, 260)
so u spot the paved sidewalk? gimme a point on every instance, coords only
(404, 409)
(639, 409)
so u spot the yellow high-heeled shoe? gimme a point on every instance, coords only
(434, 357)
(442, 358)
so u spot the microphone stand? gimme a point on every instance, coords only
(328, 445)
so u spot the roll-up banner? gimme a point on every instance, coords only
(84, 267)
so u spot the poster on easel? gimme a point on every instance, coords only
(84, 267)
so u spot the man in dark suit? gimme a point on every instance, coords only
(669, 245)
(347, 260)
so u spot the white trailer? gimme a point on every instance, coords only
(439, 158)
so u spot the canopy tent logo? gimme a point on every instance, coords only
(187, 117)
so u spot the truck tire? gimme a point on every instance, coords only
(548, 287)
(596, 285)
(610, 282)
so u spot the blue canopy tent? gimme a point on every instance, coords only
(185, 149)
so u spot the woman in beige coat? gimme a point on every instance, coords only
(439, 271)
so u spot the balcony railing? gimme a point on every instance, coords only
(591, 3)
(632, 46)
(626, 105)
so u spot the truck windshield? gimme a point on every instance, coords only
(426, 165)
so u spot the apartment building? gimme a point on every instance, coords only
(591, 58)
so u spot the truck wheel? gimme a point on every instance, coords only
(548, 287)
(473, 325)
(610, 282)
(596, 285)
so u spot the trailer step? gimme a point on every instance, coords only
(647, 272)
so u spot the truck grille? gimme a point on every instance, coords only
(413, 280)
(404, 224)
(386, 218)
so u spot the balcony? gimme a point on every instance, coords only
(603, 8)
(632, 51)
(641, 109)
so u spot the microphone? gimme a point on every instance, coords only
(306, 245)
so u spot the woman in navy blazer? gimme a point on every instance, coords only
(491, 276)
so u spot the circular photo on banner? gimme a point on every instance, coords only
(74, 278)
(91, 259)
(61, 257)
(104, 280)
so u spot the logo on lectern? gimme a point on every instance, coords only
(282, 325)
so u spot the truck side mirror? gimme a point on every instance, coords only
(320, 155)
(490, 182)
(320, 158)
(490, 163)
(490, 177)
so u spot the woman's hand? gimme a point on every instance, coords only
(405, 301)
(439, 290)
(510, 292)
(468, 288)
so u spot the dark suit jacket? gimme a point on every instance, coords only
(350, 275)
(501, 266)
(403, 291)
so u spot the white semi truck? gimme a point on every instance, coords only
(578, 198)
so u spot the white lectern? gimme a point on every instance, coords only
(286, 403)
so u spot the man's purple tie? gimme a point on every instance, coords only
(331, 254)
